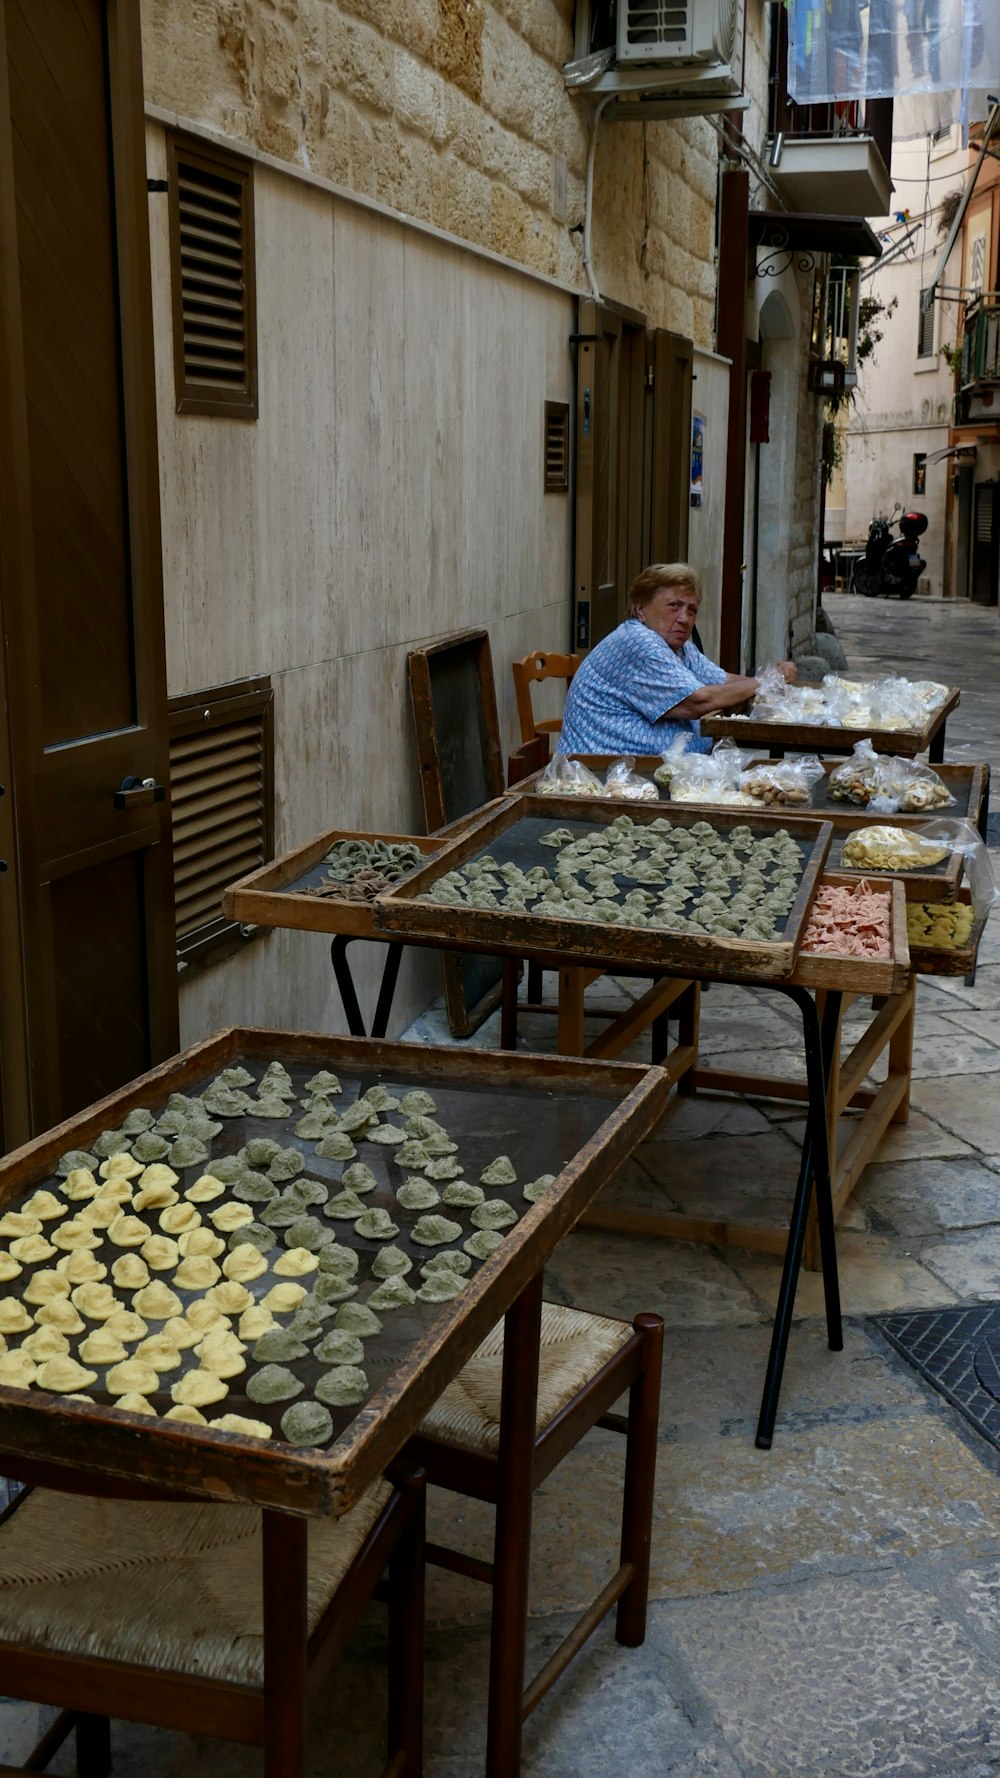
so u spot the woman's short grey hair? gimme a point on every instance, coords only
(647, 584)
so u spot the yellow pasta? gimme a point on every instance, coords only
(197, 1388)
(81, 1267)
(80, 1184)
(63, 1375)
(239, 1423)
(30, 1249)
(156, 1301)
(122, 1379)
(296, 1263)
(130, 1272)
(243, 1264)
(100, 1347)
(178, 1218)
(14, 1317)
(231, 1216)
(17, 1370)
(205, 1189)
(197, 1273)
(96, 1301)
(44, 1286)
(284, 1297)
(160, 1252)
(129, 1231)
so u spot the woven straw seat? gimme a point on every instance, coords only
(574, 1346)
(158, 1585)
(584, 1364)
(220, 1620)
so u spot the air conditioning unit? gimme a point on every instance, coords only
(679, 33)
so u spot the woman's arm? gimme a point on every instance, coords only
(736, 690)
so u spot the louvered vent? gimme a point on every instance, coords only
(211, 199)
(221, 808)
(556, 447)
(678, 30)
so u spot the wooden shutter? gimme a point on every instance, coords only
(213, 282)
(222, 808)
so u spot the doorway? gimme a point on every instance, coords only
(86, 901)
(985, 584)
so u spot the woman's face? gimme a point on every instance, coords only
(672, 612)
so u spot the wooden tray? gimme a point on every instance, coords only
(512, 832)
(862, 975)
(811, 737)
(939, 882)
(272, 895)
(578, 1120)
(967, 784)
(926, 961)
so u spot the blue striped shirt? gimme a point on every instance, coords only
(618, 696)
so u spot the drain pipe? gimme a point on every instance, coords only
(588, 265)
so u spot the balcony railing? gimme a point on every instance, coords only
(981, 342)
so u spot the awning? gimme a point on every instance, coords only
(802, 231)
(966, 450)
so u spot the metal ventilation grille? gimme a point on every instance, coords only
(658, 26)
(214, 321)
(556, 447)
(221, 808)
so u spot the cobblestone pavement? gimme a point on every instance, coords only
(827, 1609)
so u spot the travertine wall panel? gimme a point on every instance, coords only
(451, 111)
(389, 492)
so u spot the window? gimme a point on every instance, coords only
(920, 472)
(925, 329)
(222, 808)
(556, 447)
(213, 283)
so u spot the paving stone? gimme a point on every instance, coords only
(951, 1051)
(968, 1264)
(910, 1198)
(706, 1114)
(749, 1178)
(875, 1277)
(984, 995)
(612, 1274)
(913, 1696)
(964, 1107)
(921, 1137)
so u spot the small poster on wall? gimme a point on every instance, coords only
(697, 458)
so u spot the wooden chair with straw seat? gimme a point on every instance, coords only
(528, 672)
(584, 1364)
(209, 1619)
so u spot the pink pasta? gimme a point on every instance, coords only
(853, 921)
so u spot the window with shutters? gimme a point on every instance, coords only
(212, 270)
(925, 329)
(556, 447)
(222, 808)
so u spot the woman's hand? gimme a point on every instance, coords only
(788, 670)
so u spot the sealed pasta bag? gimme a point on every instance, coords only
(962, 837)
(947, 925)
(711, 777)
(784, 783)
(895, 703)
(856, 781)
(908, 786)
(664, 773)
(568, 777)
(771, 697)
(879, 848)
(623, 782)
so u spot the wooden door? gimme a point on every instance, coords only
(611, 465)
(669, 386)
(88, 904)
(986, 543)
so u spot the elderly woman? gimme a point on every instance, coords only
(647, 683)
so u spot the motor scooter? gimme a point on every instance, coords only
(891, 565)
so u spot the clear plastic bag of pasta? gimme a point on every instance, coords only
(625, 784)
(782, 783)
(887, 784)
(962, 837)
(568, 777)
(664, 773)
(711, 777)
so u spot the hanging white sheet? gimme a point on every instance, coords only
(944, 54)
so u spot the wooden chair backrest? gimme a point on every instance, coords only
(531, 756)
(539, 666)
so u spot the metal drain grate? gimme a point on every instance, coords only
(958, 1351)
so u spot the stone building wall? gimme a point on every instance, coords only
(453, 112)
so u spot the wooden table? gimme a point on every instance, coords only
(812, 737)
(578, 1120)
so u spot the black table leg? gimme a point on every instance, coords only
(348, 995)
(935, 752)
(815, 1162)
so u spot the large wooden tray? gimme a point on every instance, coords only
(816, 738)
(273, 894)
(862, 975)
(578, 1120)
(512, 832)
(967, 784)
(927, 961)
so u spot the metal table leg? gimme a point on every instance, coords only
(348, 994)
(815, 1162)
